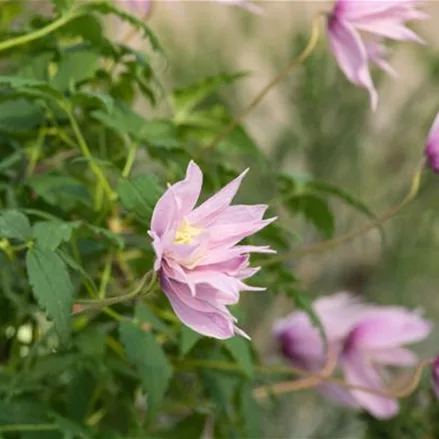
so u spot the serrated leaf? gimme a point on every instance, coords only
(14, 224)
(19, 115)
(50, 234)
(75, 66)
(70, 261)
(188, 339)
(144, 314)
(140, 194)
(51, 287)
(110, 8)
(240, 349)
(60, 190)
(154, 368)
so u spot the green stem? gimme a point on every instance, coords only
(130, 160)
(278, 78)
(39, 33)
(335, 242)
(140, 289)
(27, 427)
(87, 154)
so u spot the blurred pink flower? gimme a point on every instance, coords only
(301, 342)
(435, 376)
(378, 18)
(378, 342)
(201, 267)
(432, 146)
(365, 338)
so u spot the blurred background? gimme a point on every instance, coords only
(316, 123)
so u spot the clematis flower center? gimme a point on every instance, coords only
(186, 233)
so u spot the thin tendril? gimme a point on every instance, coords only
(278, 78)
(326, 245)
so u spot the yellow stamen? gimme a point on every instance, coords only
(186, 233)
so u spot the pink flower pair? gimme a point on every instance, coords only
(357, 29)
(366, 339)
(201, 266)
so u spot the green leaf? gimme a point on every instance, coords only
(21, 411)
(50, 234)
(327, 188)
(186, 99)
(250, 412)
(93, 99)
(154, 368)
(62, 6)
(191, 427)
(123, 120)
(52, 287)
(188, 339)
(315, 210)
(140, 194)
(111, 8)
(60, 190)
(19, 115)
(14, 224)
(75, 66)
(240, 349)
(111, 236)
(144, 314)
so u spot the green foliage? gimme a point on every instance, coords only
(81, 170)
(51, 286)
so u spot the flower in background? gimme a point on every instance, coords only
(379, 19)
(366, 339)
(201, 266)
(432, 146)
(301, 342)
(373, 345)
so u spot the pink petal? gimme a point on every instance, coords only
(227, 235)
(351, 55)
(219, 281)
(359, 371)
(178, 200)
(389, 29)
(208, 212)
(377, 53)
(241, 213)
(395, 357)
(339, 394)
(389, 327)
(432, 146)
(158, 249)
(200, 316)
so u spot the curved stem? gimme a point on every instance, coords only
(85, 305)
(278, 78)
(39, 33)
(335, 242)
(86, 152)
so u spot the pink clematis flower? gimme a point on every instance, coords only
(301, 342)
(201, 266)
(365, 338)
(432, 146)
(375, 343)
(379, 19)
